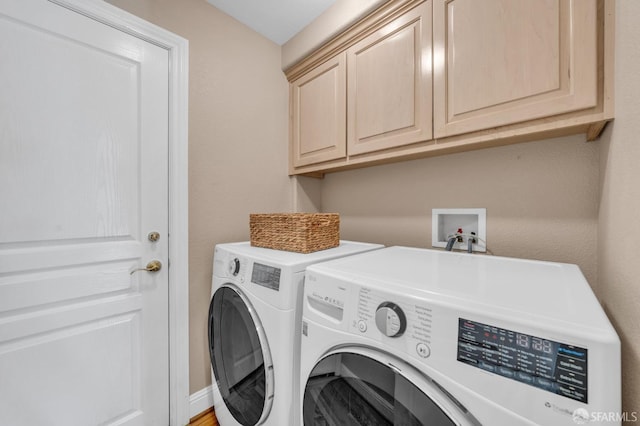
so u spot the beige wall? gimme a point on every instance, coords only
(237, 141)
(541, 199)
(619, 218)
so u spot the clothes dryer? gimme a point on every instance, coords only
(254, 330)
(421, 337)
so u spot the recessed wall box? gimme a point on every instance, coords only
(463, 223)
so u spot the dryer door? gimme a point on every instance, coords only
(240, 356)
(360, 386)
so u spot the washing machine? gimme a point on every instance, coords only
(406, 336)
(254, 330)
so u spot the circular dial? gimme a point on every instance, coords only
(234, 266)
(390, 319)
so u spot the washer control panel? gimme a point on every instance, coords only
(243, 270)
(234, 266)
(266, 276)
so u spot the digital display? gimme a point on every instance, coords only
(266, 276)
(552, 366)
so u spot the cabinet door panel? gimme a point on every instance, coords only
(389, 85)
(502, 61)
(318, 104)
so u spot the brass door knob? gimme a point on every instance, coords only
(153, 266)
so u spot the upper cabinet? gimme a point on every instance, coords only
(419, 78)
(318, 114)
(389, 85)
(380, 99)
(503, 61)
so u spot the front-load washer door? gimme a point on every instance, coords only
(240, 356)
(361, 386)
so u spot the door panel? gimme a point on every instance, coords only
(83, 179)
(44, 354)
(355, 388)
(318, 104)
(389, 85)
(240, 356)
(500, 62)
(43, 129)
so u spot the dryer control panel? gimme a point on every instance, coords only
(553, 366)
(405, 319)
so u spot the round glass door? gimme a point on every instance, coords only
(240, 356)
(347, 388)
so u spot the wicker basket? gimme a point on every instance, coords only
(297, 232)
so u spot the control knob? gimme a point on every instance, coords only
(234, 266)
(390, 319)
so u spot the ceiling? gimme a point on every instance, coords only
(277, 20)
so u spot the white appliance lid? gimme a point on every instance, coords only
(298, 261)
(555, 291)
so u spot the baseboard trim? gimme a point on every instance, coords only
(200, 401)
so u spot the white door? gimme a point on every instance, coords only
(83, 181)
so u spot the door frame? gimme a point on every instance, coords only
(178, 50)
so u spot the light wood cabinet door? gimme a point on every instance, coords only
(318, 114)
(389, 100)
(499, 62)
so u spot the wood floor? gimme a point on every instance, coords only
(206, 418)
